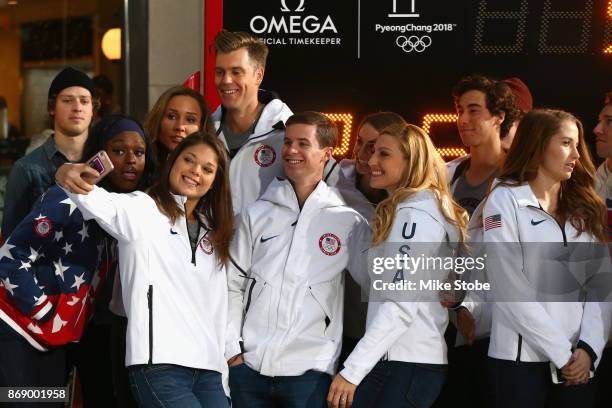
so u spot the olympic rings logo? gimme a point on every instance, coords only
(413, 43)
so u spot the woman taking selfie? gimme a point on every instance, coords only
(173, 246)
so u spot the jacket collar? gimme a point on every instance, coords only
(50, 148)
(281, 192)
(181, 200)
(347, 169)
(274, 111)
(523, 194)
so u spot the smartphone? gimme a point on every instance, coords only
(101, 163)
(557, 377)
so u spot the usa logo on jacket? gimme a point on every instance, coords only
(264, 156)
(329, 244)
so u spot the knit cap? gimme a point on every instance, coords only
(71, 77)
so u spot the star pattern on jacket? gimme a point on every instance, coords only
(50, 269)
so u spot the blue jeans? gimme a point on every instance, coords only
(529, 385)
(167, 385)
(253, 390)
(400, 384)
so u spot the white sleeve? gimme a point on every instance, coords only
(392, 317)
(505, 271)
(358, 244)
(121, 215)
(596, 317)
(593, 329)
(241, 251)
(474, 301)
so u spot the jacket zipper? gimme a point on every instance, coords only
(520, 346)
(326, 176)
(246, 310)
(193, 248)
(150, 302)
(561, 227)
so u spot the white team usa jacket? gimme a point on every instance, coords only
(532, 331)
(407, 331)
(286, 280)
(478, 303)
(259, 161)
(175, 298)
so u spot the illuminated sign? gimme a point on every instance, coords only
(437, 117)
(405, 56)
(608, 30)
(432, 118)
(451, 152)
(344, 121)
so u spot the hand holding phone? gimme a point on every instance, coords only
(101, 163)
(80, 178)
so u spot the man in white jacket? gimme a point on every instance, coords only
(250, 120)
(251, 127)
(286, 278)
(488, 111)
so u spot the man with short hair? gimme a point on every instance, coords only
(286, 281)
(486, 110)
(71, 104)
(250, 120)
(488, 114)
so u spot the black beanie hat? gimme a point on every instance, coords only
(71, 77)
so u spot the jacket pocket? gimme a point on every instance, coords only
(256, 313)
(325, 295)
(255, 289)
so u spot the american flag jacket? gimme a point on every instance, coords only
(51, 268)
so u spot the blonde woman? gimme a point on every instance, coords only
(401, 358)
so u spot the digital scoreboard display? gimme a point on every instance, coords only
(351, 57)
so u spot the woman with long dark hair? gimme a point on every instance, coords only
(173, 247)
(178, 112)
(543, 206)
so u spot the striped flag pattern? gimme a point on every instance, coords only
(493, 221)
